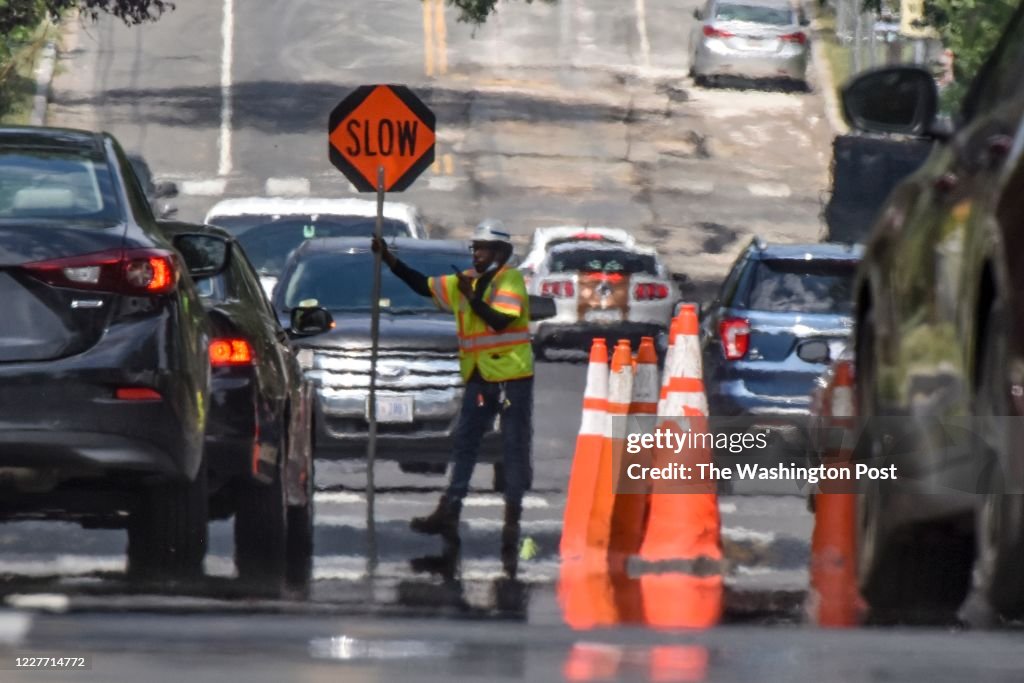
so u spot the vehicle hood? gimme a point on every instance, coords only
(420, 331)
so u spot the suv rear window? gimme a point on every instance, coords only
(821, 286)
(268, 241)
(755, 14)
(603, 261)
(48, 184)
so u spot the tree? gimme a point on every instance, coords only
(970, 28)
(477, 11)
(21, 14)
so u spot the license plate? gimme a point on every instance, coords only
(611, 315)
(392, 409)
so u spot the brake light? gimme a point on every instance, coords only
(226, 352)
(648, 291)
(712, 32)
(798, 37)
(735, 336)
(136, 394)
(560, 289)
(124, 271)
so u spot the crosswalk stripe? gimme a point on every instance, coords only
(482, 500)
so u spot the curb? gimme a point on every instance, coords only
(828, 88)
(44, 78)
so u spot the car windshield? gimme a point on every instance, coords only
(822, 286)
(49, 184)
(268, 240)
(755, 14)
(603, 261)
(342, 282)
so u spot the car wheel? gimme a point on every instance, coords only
(919, 571)
(261, 528)
(167, 530)
(300, 536)
(1000, 518)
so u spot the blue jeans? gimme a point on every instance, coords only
(480, 403)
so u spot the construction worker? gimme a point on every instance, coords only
(491, 310)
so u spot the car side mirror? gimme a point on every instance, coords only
(814, 352)
(308, 319)
(204, 255)
(166, 190)
(897, 99)
(542, 308)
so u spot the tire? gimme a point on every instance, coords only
(261, 530)
(167, 530)
(918, 571)
(1000, 518)
(299, 569)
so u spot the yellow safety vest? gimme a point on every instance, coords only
(498, 356)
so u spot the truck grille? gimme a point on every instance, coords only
(398, 371)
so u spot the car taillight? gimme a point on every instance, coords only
(798, 37)
(735, 336)
(124, 271)
(712, 32)
(649, 291)
(559, 289)
(225, 352)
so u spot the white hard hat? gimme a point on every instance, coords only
(492, 230)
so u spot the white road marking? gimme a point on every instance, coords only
(779, 190)
(479, 500)
(738, 533)
(287, 187)
(227, 54)
(641, 27)
(697, 187)
(50, 602)
(443, 183)
(359, 522)
(212, 187)
(726, 508)
(14, 626)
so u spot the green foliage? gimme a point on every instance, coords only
(971, 29)
(477, 11)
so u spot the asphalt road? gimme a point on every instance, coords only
(576, 112)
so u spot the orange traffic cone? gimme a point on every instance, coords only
(630, 504)
(683, 521)
(678, 600)
(835, 599)
(587, 458)
(670, 359)
(620, 395)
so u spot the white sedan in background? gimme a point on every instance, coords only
(545, 238)
(603, 289)
(270, 228)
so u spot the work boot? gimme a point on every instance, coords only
(444, 521)
(510, 538)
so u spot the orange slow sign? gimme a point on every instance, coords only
(381, 126)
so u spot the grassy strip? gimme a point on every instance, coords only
(837, 55)
(17, 76)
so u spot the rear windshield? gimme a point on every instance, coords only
(756, 14)
(58, 185)
(603, 261)
(268, 241)
(801, 286)
(342, 282)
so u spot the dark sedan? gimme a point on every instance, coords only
(419, 387)
(259, 432)
(782, 312)
(104, 368)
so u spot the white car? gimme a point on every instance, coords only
(544, 238)
(270, 228)
(603, 289)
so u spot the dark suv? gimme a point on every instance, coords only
(104, 371)
(940, 338)
(782, 312)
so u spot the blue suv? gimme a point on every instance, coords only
(782, 313)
